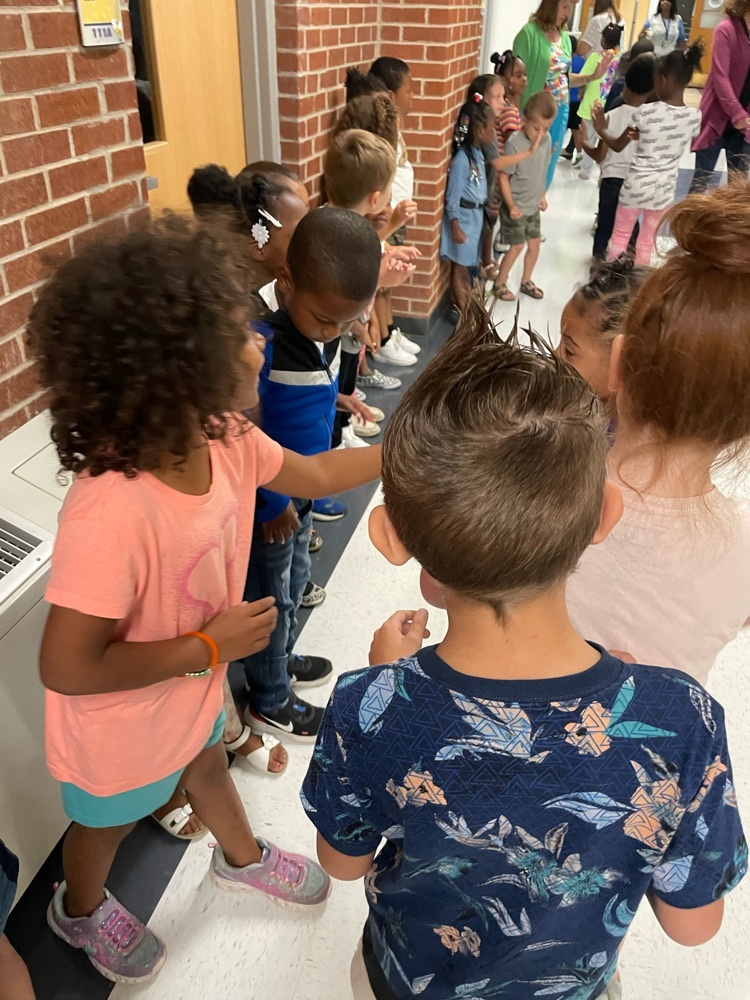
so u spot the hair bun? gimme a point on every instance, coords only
(715, 228)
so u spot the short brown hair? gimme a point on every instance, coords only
(686, 353)
(737, 8)
(357, 164)
(541, 105)
(494, 466)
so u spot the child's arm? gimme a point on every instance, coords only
(401, 215)
(79, 656)
(317, 476)
(507, 196)
(690, 928)
(456, 182)
(617, 144)
(343, 867)
(501, 163)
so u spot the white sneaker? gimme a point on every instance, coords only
(364, 428)
(392, 354)
(404, 343)
(350, 440)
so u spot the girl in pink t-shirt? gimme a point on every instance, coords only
(145, 348)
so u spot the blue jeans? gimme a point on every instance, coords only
(738, 158)
(557, 134)
(281, 571)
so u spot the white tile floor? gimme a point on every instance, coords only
(223, 946)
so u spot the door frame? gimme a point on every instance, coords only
(256, 23)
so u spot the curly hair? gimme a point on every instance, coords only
(139, 343)
(374, 113)
(609, 290)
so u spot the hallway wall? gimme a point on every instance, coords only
(319, 39)
(71, 163)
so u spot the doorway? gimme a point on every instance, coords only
(189, 90)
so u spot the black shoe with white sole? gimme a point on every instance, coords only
(297, 720)
(309, 671)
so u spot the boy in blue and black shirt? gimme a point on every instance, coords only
(331, 276)
(531, 787)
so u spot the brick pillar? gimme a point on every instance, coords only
(440, 40)
(71, 164)
(317, 40)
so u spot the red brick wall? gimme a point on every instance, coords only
(440, 40)
(71, 163)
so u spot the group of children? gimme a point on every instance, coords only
(531, 787)
(630, 118)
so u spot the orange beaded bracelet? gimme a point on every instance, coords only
(214, 654)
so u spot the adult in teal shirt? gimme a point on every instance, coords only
(544, 45)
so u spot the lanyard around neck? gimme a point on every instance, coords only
(667, 25)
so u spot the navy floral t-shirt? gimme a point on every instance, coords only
(524, 821)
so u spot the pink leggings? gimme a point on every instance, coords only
(624, 224)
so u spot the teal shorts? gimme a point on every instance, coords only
(128, 807)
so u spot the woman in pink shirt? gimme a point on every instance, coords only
(145, 347)
(725, 105)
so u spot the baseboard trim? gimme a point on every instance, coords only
(428, 327)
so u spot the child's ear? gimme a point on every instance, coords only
(614, 381)
(612, 507)
(373, 200)
(284, 281)
(385, 539)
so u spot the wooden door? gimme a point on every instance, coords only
(194, 68)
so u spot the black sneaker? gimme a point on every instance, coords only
(309, 671)
(294, 721)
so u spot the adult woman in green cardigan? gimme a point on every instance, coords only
(544, 45)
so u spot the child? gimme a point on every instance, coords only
(145, 349)
(512, 69)
(15, 983)
(594, 316)
(672, 583)
(264, 205)
(597, 90)
(574, 149)
(642, 47)
(330, 277)
(396, 348)
(523, 192)
(662, 132)
(531, 788)
(359, 170)
(466, 198)
(639, 83)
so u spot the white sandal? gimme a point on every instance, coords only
(176, 821)
(258, 759)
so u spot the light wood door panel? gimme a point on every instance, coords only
(195, 72)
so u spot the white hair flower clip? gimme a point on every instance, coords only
(260, 232)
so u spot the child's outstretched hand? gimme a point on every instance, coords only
(403, 213)
(350, 404)
(406, 253)
(243, 630)
(535, 143)
(607, 59)
(394, 271)
(399, 637)
(598, 117)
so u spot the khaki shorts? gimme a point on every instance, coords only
(518, 231)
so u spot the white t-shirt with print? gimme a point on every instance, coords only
(618, 164)
(665, 133)
(403, 184)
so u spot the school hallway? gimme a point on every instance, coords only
(222, 945)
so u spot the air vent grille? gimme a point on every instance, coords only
(15, 546)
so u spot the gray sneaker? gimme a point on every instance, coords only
(117, 943)
(377, 380)
(290, 879)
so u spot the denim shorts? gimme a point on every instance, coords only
(100, 811)
(8, 883)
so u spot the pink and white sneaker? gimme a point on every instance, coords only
(117, 943)
(290, 879)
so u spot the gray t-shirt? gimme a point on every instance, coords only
(528, 179)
